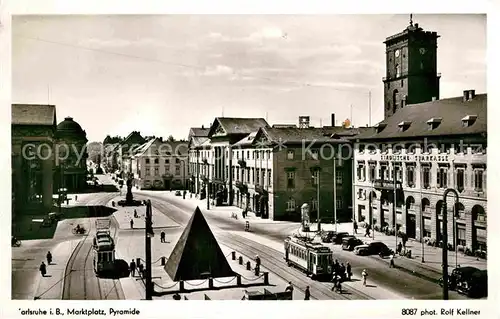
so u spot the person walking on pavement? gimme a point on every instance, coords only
(43, 269)
(132, 223)
(391, 262)
(132, 268)
(162, 236)
(307, 295)
(257, 261)
(364, 274)
(348, 269)
(289, 288)
(135, 214)
(355, 227)
(400, 247)
(49, 258)
(141, 268)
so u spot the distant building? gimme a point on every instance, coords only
(33, 138)
(72, 156)
(160, 165)
(111, 152)
(126, 149)
(428, 147)
(197, 139)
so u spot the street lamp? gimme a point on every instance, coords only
(445, 239)
(316, 177)
(334, 192)
(148, 235)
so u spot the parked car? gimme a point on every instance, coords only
(327, 235)
(457, 275)
(373, 248)
(348, 243)
(475, 285)
(177, 193)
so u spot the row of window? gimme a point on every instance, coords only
(157, 161)
(441, 180)
(291, 204)
(410, 148)
(147, 171)
(290, 177)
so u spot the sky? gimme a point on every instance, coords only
(163, 74)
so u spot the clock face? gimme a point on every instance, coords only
(396, 53)
(422, 50)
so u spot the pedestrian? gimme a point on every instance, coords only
(257, 261)
(348, 269)
(364, 274)
(76, 198)
(400, 248)
(342, 271)
(367, 230)
(307, 295)
(132, 268)
(162, 237)
(141, 269)
(135, 213)
(49, 258)
(334, 280)
(355, 227)
(43, 269)
(131, 223)
(289, 288)
(404, 241)
(391, 262)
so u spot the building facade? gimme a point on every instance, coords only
(197, 140)
(160, 165)
(72, 156)
(33, 138)
(426, 148)
(126, 150)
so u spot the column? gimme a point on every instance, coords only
(47, 168)
(434, 221)
(419, 223)
(468, 229)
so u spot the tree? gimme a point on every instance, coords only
(170, 138)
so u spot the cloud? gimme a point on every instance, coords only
(218, 70)
(268, 33)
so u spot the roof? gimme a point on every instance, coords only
(247, 140)
(197, 141)
(290, 135)
(161, 148)
(233, 125)
(200, 131)
(197, 252)
(71, 128)
(33, 114)
(451, 111)
(133, 138)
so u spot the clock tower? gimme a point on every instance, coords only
(411, 68)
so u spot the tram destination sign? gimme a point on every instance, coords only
(415, 158)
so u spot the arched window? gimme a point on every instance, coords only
(425, 204)
(394, 101)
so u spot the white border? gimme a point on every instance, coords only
(218, 309)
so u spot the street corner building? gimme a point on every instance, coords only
(45, 157)
(415, 155)
(424, 146)
(273, 170)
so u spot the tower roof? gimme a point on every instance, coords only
(197, 252)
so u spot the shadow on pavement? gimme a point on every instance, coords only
(121, 270)
(24, 228)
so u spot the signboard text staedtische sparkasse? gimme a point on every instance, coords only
(415, 158)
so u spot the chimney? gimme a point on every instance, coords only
(333, 119)
(472, 94)
(466, 95)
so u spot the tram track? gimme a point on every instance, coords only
(78, 285)
(274, 264)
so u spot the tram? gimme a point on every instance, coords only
(313, 258)
(103, 248)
